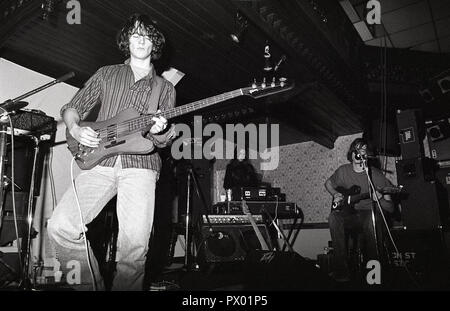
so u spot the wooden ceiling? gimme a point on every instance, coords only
(323, 55)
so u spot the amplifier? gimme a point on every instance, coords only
(231, 219)
(257, 194)
(249, 194)
(280, 209)
(230, 243)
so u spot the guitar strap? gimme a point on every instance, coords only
(156, 93)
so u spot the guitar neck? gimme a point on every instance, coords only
(200, 104)
(143, 121)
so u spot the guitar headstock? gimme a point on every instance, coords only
(265, 88)
(392, 189)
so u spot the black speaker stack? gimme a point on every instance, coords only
(23, 167)
(24, 150)
(424, 206)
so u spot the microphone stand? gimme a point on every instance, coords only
(378, 204)
(9, 107)
(190, 258)
(11, 104)
(3, 152)
(375, 202)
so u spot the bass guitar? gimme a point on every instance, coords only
(124, 133)
(353, 195)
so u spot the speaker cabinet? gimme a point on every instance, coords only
(9, 268)
(23, 164)
(7, 231)
(411, 133)
(443, 184)
(21, 202)
(424, 253)
(383, 139)
(440, 150)
(438, 137)
(230, 243)
(420, 205)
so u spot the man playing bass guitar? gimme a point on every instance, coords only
(347, 214)
(132, 177)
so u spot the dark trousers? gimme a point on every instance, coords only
(341, 223)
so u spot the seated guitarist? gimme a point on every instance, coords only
(359, 217)
(131, 176)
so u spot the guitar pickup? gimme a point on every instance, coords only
(115, 143)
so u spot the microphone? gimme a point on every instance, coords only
(67, 76)
(365, 156)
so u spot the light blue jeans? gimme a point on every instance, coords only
(135, 189)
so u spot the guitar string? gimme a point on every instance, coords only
(140, 121)
(125, 126)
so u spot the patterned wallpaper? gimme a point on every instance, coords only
(301, 174)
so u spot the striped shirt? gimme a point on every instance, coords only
(115, 89)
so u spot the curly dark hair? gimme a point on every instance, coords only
(143, 22)
(355, 145)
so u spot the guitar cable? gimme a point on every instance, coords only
(16, 227)
(94, 284)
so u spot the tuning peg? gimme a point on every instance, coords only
(254, 84)
(263, 84)
(273, 82)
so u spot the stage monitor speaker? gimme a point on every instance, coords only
(230, 242)
(420, 208)
(275, 270)
(411, 133)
